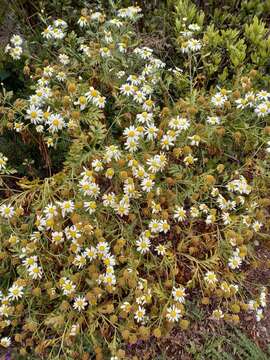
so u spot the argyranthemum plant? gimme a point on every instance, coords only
(159, 200)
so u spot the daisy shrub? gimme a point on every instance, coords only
(160, 200)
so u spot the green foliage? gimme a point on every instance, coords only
(231, 345)
(186, 12)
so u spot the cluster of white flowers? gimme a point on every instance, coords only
(190, 45)
(129, 13)
(55, 31)
(103, 186)
(143, 298)
(73, 233)
(95, 97)
(241, 186)
(253, 305)
(31, 265)
(15, 47)
(258, 305)
(14, 293)
(174, 312)
(260, 102)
